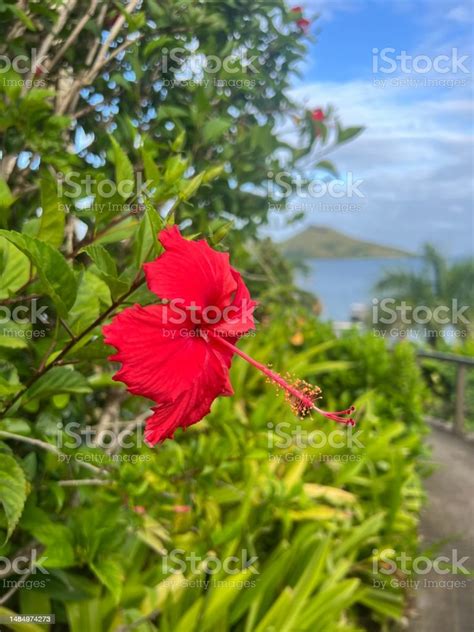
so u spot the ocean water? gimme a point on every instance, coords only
(342, 283)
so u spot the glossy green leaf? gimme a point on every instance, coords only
(12, 491)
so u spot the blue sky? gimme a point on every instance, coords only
(415, 157)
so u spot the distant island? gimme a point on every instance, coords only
(322, 242)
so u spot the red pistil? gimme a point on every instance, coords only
(302, 399)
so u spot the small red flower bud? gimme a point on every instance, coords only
(181, 508)
(318, 115)
(303, 24)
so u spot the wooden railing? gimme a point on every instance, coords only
(463, 364)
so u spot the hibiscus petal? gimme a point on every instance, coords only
(187, 409)
(191, 272)
(161, 360)
(237, 317)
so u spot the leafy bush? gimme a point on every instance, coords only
(311, 514)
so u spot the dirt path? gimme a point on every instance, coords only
(448, 517)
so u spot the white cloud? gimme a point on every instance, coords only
(460, 14)
(415, 159)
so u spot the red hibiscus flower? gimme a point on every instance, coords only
(318, 115)
(179, 353)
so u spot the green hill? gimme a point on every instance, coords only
(320, 241)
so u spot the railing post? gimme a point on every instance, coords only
(460, 389)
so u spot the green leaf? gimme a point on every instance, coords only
(151, 170)
(110, 574)
(84, 615)
(212, 173)
(52, 220)
(106, 268)
(327, 165)
(22, 16)
(343, 135)
(93, 297)
(190, 187)
(6, 196)
(58, 540)
(146, 245)
(53, 270)
(6, 388)
(177, 144)
(121, 231)
(221, 232)
(8, 342)
(58, 380)
(215, 128)
(385, 602)
(103, 260)
(12, 491)
(123, 170)
(175, 167)
(14, 266)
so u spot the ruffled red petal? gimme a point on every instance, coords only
(190, 271)
(189, 408)
(238, 316)
(168, 364)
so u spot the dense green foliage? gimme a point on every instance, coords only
(312, 513)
